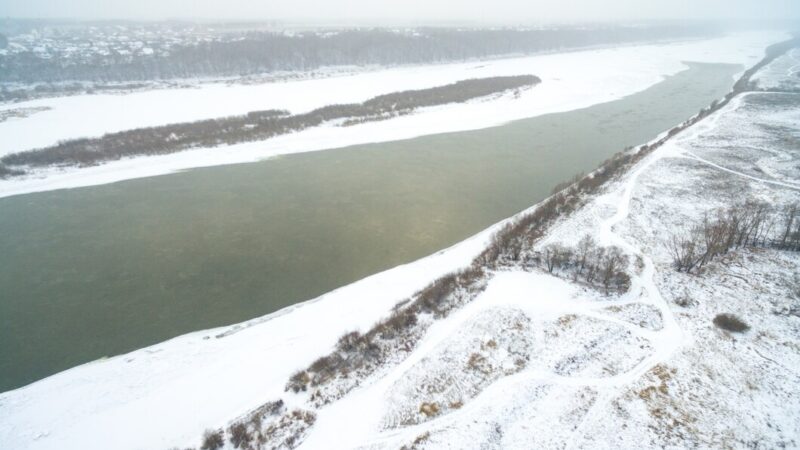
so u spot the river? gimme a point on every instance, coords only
(103, 270)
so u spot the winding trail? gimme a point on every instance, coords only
(793, 70)
(667, 340)
(689, 155)
(369, 400)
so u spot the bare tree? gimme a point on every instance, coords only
(550, 255)
(611, 265)
(749, 224)
(684, 252)
(584, 251)
(593, 263)
(791, 223)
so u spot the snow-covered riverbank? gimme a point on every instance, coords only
(167, 394)
(570, 81)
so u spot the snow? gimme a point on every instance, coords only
(198, 380)
(783, 73)
(629, 371)
(751, 139)
(569, 81)
(689, 384)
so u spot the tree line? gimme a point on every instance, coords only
(254, 126)
(751, 224)
(258, 52)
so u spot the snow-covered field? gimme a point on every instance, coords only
(783, 73)
(569, 81)
(644, 370)
(631, 371)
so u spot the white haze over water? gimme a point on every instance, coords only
(408, 11)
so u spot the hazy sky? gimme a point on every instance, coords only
(508, 11)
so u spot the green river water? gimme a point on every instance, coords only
(97, 271)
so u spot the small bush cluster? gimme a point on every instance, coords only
(363, 353)
(751, 224)
(265, 427)
(685, 301)
(730, 322)
(429, 409)
(601, 267)
(249, 433)
(213, 440)
(418, 441)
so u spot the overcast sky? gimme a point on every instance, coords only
(496, 11)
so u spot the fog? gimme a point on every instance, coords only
(408, 11)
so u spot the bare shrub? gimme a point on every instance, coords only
(478, 362)
(325, 368)
(551, 256)
(349, 342)
(421, 439)
(298, 382)
(432, 298)
(396, 324)
(750, 224)
(239, 435)
(213, 440)
(429, 409)
(730, 322)
(684, 301)
(271, 408)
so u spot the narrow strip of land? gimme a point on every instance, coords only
(254, 126)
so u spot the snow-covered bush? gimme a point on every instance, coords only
(730, 322)
(213, 440)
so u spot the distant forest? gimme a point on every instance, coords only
(259, 52)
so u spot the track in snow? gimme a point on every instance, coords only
(367, 403)
(354, 420)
